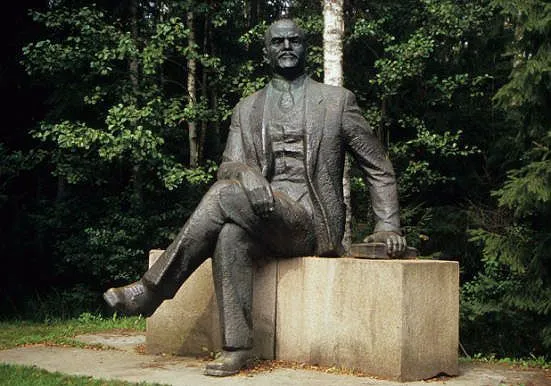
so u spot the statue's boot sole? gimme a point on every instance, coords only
(132, 300)
(229, 363)
(219, 372)
(112, 298)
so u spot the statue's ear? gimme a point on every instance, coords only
(265, 56)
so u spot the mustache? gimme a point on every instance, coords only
(287, 53)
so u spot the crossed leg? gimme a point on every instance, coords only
(288, 230)
(224, 226)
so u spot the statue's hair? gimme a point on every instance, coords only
(268, 33)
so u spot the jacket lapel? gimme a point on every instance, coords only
(258, 130)
(315, 122)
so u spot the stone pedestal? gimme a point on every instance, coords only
(396, 319)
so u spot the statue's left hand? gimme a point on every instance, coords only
(395, 244)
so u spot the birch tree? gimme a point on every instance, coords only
(333, 32)
(192, 93)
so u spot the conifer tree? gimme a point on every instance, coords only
(517, 254)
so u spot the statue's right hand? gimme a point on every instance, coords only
(396, 244)
(259, 192)
(262, 200)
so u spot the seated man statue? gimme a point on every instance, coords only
(279, 193)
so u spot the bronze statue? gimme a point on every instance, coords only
(279, 193)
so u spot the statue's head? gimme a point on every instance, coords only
(285, 48)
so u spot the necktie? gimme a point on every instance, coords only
(286, 101)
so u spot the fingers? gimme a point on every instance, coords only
(262, 201)
(396, 245)
(259, 192)
(378, 237)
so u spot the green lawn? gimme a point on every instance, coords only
(17, 333)
(15, 375)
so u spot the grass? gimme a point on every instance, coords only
(58, 332)
(15, 375)
(532, 362)
(62, 332)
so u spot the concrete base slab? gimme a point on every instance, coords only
(179, 371)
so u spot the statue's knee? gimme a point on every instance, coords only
(216, 190)
(223, 185)
(225, 198)
(232, 232)
(229, 194)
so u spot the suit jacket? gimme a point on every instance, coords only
(333, 124)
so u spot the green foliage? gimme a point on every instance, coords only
(12, 164)
(428, 148)
(58, 303)
(117, 125)
(516, 255)
(500, 312)
(131, 122)
(527, 191)
(427, 99)
(421, 82)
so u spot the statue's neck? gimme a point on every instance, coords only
(283, 83)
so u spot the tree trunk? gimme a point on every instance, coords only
(192, 93)
(214, 139)
(204, 90)
(333, 33)
(133, 67)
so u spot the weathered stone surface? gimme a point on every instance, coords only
(393, 318)
(396, 319)
(430, 319)
(188, 324)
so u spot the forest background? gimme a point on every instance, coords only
(115, 115)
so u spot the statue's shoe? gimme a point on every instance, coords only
(133, 299)
(229, 363)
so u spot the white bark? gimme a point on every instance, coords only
(333, 32)
(192, 94)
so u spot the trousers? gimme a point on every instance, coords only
(225, 227)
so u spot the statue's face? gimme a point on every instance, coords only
(285, 48)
